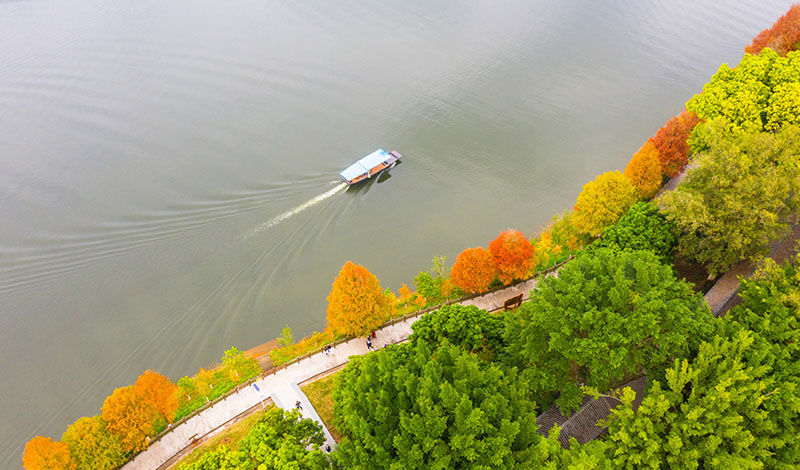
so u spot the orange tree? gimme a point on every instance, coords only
(43, 453)
(130, 418)
(603, 201)
(782, 37)
(357, 303)
(91, 445)
(158, 392)
(670, 141)
(474, 270)
(513, 255)
(644, 170)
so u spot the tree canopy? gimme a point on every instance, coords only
(738, 197)
(603, 201)
(671, 142)
(474, 270)
(43, 453)
(513, 255)
(783, 36)
(130, 418)
(414, 407)
(712, 412)
(644, 170)
(279, 440)
(643, 227)
(606, 317)
(92, 446)
(356, 303)
(468, 327)
(157, 391)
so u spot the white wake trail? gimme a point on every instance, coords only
(294, 211)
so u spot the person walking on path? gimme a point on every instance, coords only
(298, 405)
(369, 343)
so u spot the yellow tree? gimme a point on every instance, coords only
(603, 201)
(644, 170)
(474, 270)
(43, 453)
(91, 445)
(157, 391)
(356, 303)
(130, 418)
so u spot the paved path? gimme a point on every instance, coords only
(282, 386)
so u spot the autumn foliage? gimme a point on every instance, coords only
(91, 445)
(356, 304)
(603, 201)
(644, 170)
(158, 392)
(130, 418)
(513, 255)
(43, 453)
(670, 141)
(782, 37)
(473, 270)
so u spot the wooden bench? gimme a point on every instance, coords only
(194, 440)
(512, 303)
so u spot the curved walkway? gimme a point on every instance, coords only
(282, 387)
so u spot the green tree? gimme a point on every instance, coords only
(412, 407)
(606, 317)
(603, 201)
(221, 458)
(468, 327)
(643, 227)
(240, 367)
(709, 414)
(429, 283)
(92, 446)
(738, 198)
(281, 439)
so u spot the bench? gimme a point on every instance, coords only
(194, 440)
(512, 303)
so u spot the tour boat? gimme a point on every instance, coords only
(370, 166)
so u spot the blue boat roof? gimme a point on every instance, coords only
(362, 166)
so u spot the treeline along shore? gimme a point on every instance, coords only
(466, 388)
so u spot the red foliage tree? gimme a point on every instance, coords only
(513, 255)
(43, 453)
(670, 141)
(473, 270)
(157, 391)
(782, 36)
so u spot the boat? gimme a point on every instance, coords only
(370, 166)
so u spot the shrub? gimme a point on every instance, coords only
(603, 201)
(468, 327)
(644, 170)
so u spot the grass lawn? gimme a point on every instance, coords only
(320, 394)
(230, 437)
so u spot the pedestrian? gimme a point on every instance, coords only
(374, 335)
(328, 448)
(298, 405)
(327, 350)
(369, 343)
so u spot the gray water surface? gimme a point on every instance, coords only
(162, 162)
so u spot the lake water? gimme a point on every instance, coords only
(168, 170)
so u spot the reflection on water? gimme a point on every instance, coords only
(168, 170)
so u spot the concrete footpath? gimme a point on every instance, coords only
(282, 386)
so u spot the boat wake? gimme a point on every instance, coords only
(294, 211)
